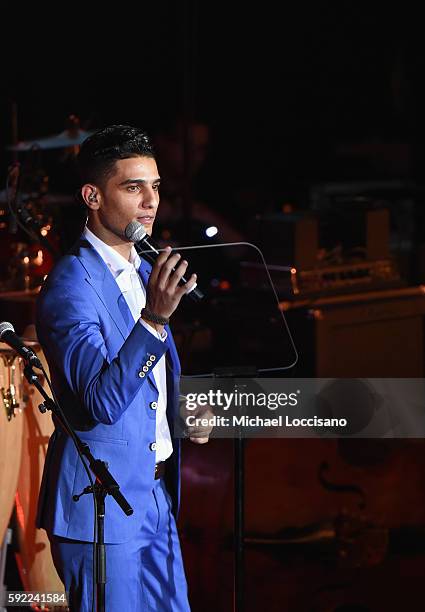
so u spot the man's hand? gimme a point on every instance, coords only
(198, 433)
(163, 293)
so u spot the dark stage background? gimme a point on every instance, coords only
(302, 130)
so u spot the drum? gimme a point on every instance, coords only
(34, 559)
(24, 264)
(11, 428)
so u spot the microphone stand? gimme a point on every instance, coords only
(104, 485)
(35, 227)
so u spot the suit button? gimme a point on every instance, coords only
(152, 357)
(145, 369)
(149, 362)
(142, 374)
(153, 405)
(152, 446)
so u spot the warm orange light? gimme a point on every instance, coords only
(317, 314)
(20, 516)
(38, 261)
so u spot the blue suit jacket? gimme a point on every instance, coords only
(95, 353)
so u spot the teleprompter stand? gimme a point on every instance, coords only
(239, 503)
(104, 485)
(239, 323)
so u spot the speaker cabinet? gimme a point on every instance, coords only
(373, 334)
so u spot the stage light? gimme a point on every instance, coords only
(211, 231)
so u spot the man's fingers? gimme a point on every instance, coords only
(186, 287)
(163, 275)
(198, 433)
(160, 261)
(167, 270)
(199, 440)
(177, 275)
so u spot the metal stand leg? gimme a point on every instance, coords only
(3, 553)
(239, 524)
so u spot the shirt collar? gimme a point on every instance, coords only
(115, 262)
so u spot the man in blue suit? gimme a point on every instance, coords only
(102, 320)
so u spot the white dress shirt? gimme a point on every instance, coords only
(128, 280)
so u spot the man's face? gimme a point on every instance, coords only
(130, 194)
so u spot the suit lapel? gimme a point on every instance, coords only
(144, 271)
(102, 281)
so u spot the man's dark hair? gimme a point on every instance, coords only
(101, 150)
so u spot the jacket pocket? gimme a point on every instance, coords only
(106, 440)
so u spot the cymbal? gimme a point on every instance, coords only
(67, 138)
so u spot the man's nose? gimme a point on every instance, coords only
(149, 200)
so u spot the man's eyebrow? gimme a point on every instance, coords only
(131, 181)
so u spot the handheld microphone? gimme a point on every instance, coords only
(8, 336)
(135, 232)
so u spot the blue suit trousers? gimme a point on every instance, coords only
(145, 574)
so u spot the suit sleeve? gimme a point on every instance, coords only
(73, 338)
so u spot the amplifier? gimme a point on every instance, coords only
(346, 277)
(294, 283)
(356, 256)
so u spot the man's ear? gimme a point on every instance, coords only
(90, 195)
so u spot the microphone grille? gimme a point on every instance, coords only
(4, 327)
(135, 231)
